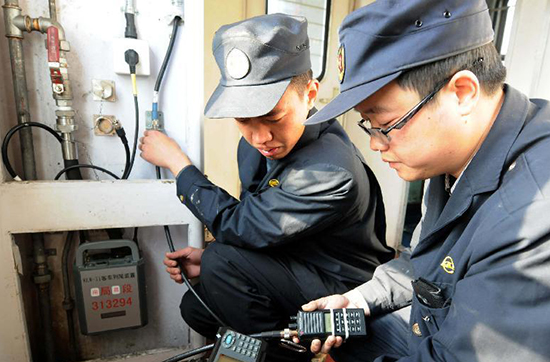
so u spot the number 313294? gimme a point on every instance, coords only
(112, 303)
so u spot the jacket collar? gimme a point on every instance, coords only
(484, 172)
(311, 133)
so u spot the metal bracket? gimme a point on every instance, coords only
(149, 125)
(105, 125)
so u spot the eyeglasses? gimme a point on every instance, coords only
(381, 135)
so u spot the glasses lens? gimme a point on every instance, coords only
(373, 132)
(379, 136)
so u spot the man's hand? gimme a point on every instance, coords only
(190, 260)
(332, 301)
(160, 150)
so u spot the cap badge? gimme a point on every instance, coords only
(448, 265)
(341, 63)
(237, 64)
(416, 330)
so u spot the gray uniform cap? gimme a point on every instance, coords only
(380, 41)
(257, 58)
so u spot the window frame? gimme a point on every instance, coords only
(328, 5)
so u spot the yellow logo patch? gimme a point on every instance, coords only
(273, 182)
(448, 265)
(341, 63)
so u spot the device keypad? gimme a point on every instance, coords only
(245, 345)
(354, 322)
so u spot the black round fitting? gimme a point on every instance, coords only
(418, 23)
(447, 14)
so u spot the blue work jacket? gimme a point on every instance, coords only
(487, 248)
(317, 209)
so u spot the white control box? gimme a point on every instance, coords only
(120, 46)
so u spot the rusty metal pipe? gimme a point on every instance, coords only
(62, 93)
(42, 274)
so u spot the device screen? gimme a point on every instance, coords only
(224, 358)
(328, 323)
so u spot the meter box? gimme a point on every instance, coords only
(110, 286)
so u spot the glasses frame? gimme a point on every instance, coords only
(382, 134)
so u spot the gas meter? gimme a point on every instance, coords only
(110, 286)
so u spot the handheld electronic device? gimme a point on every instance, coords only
(232, 346)
(336, 322)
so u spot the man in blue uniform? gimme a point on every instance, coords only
(429, 85)
(310, 219)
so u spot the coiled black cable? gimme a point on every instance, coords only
(66, 169)
(12, 131)
(10, 134)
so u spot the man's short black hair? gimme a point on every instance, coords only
(299, 82)
(491, 72)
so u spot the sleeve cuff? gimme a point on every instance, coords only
(374, 296)
(356, 298)
(188, 176)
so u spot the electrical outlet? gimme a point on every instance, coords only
(140, 46)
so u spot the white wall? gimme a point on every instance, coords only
(90, 27)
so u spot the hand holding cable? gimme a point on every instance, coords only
(161, 150)
(189, 258)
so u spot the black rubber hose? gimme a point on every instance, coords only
(130, 30)
(186, 279)
(10, 134)
(68, 301)
(122, 135)
(73, 173)
(60, 173)
(133, 157)
(164, 65)
(193, 352)
(70, 164)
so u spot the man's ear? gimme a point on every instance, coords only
(311, 93)
(467, 90)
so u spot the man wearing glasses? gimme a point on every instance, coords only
(429, 85)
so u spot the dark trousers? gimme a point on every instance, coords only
(387, 334)
(252, 291)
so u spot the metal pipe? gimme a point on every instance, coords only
(42, 278)
(68, 301)
(53, 10)
(17, 60)
(62, 92)
(45, 23)
(42, 275)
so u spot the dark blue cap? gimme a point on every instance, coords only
(257, 58)
(380, 41)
